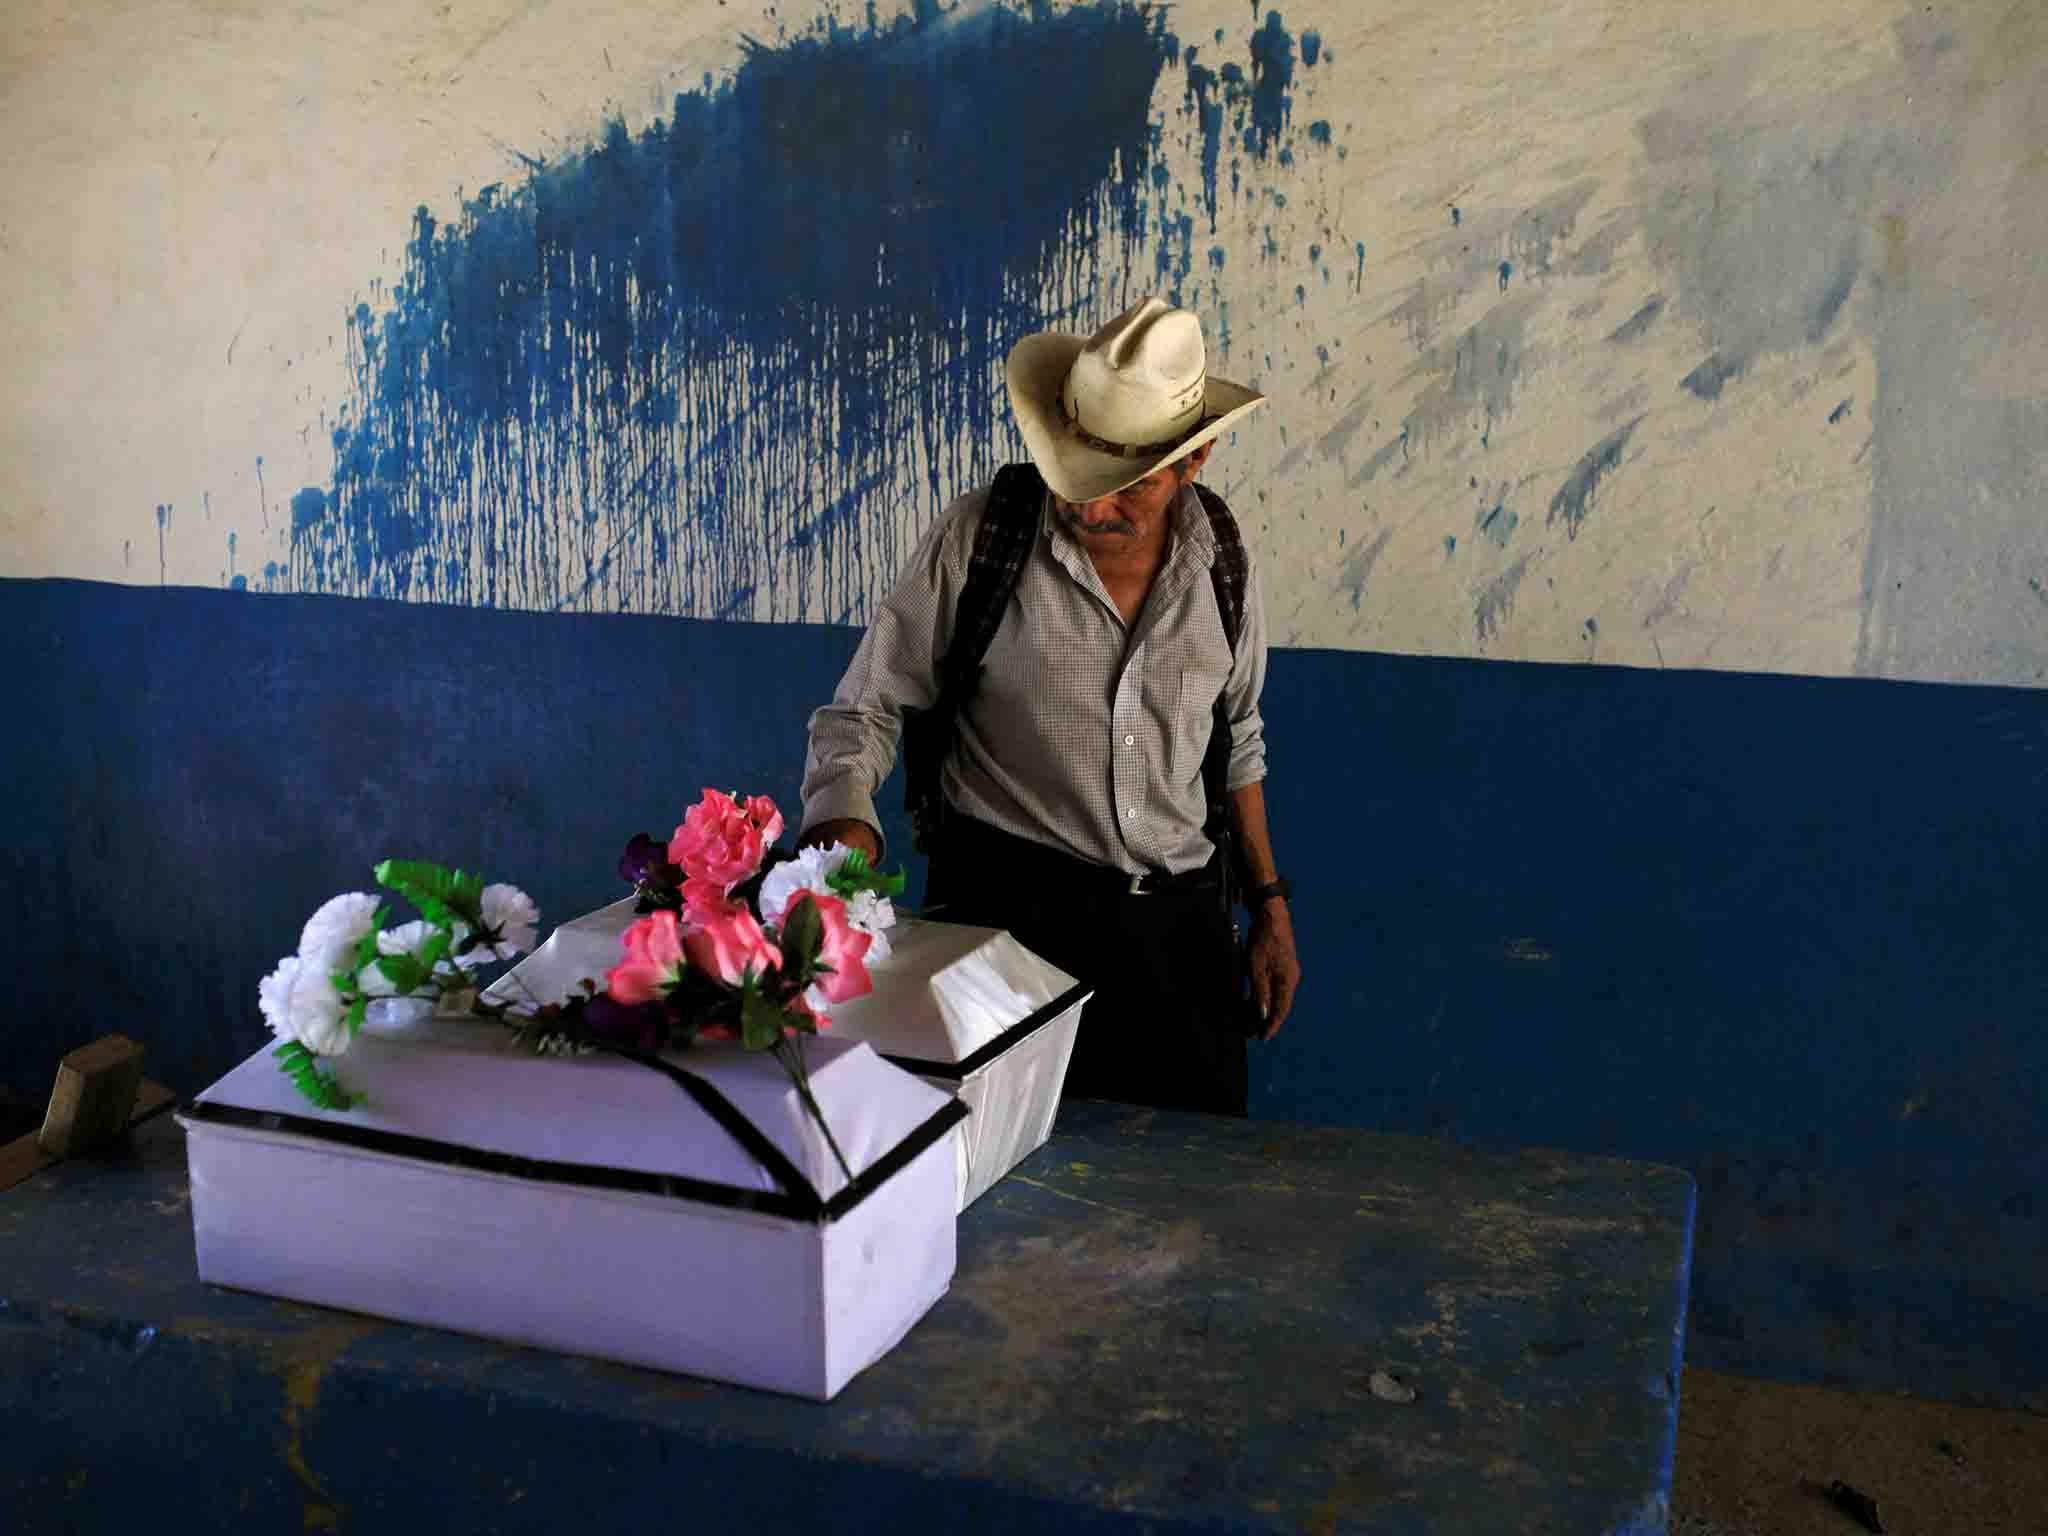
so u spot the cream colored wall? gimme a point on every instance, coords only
(1837, 210)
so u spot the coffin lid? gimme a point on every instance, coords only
(460, 1085)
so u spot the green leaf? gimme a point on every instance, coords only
(855, 875)
(760, 1022)
(366, 946)
(435, 950)
(354, 1017)
(316, 1086)
(442, 895)
(845, 880)
(404, 972)
(802, 936)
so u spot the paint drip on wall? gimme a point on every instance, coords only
(732, 365)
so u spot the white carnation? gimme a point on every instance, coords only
(872, 913)
(805, 872)
(274, 996)
(329, 939)
(511, 914)
(316, 1014)
(299, 1003)
(406, 939)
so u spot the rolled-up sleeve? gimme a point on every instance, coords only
(895, 668)
(1241, 691)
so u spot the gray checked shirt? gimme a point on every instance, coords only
(1084, 734)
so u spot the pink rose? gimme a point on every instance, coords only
(721, 841)
(844, 950)
(705, 901)
(730, 946)
(761, 811)
(654, 959)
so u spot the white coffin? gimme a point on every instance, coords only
(968, 1009)
(588, 1203)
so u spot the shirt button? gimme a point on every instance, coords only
(1130, 741)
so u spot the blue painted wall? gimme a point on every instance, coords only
(1590, 339)
(1781, 931)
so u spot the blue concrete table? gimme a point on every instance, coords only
(1161, 1322)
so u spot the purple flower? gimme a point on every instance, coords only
(636, 1026)
(645, 866)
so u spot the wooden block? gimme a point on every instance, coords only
(94, 1096)
(24, 1157)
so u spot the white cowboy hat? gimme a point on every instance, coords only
(1101, 411)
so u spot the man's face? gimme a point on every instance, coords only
(1126, 514)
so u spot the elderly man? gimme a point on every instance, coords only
(1074, 656)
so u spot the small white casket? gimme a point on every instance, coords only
(969, 1010)
(589, 1203)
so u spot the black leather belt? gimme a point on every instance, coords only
(965, 837)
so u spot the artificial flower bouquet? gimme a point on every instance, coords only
(349, 962)
(738, 940)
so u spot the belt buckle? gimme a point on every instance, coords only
(1137, 884)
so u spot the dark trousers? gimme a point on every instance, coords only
(1164, 1027)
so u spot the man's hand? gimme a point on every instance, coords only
(848, 830)
(1275, 971)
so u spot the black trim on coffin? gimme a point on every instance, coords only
(584, 1176)
(954, 1071)
(736, 1125)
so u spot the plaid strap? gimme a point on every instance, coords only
(1009, 525)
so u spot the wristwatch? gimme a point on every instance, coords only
(1258, 895)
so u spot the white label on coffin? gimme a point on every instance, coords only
(571, 1250)
(946, 991)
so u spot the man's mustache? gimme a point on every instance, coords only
(1075, 521)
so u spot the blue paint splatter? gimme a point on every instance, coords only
(239, 584)
(1711, 377)
(1450, 545)
(633, 381)
(1319, 130)
(1311, 47)
(1840, 411)
(1497, 523)
(1507, 270)
(1358, 277)
(1272, 75)
(1832, 298)
(1575, 497)
(1216, 258)
(1206, 102)
(1640, 321)
(163, 523)
(1457, 218)
(309, 505)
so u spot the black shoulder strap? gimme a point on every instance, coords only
(1009, 525)
(1231, 572)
